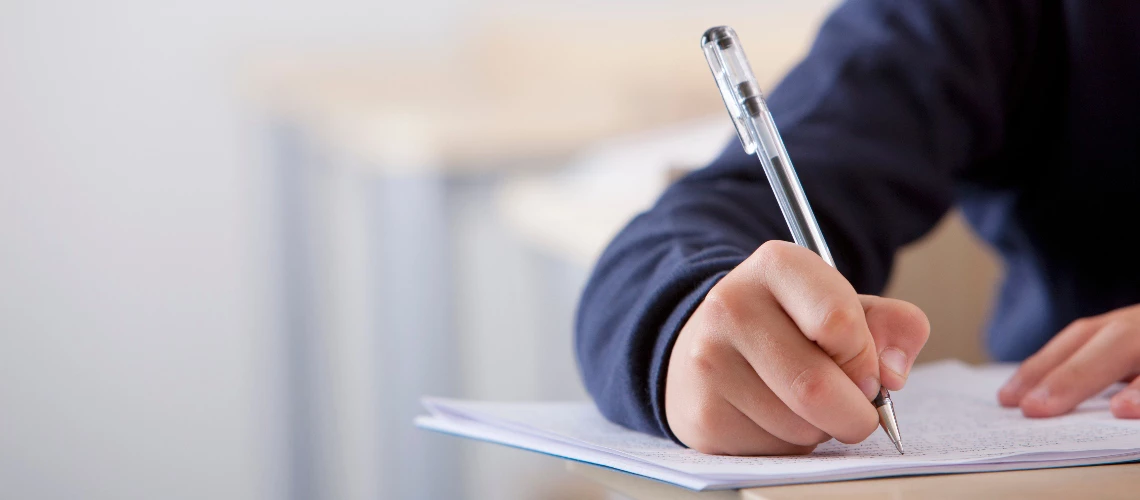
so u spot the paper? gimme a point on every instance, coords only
(948, 416)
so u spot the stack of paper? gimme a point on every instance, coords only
(948, 415)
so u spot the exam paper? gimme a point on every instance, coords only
(948, 416)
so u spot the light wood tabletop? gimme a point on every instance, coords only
(1102, 481)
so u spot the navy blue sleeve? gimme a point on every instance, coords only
(893, 100)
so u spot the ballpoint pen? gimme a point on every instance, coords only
(758, 135)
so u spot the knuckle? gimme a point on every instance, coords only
(773, 255)
(704, 355)
(1125, 334)
(718, 302)
(1115, 329)
(1080, 324)
(837, 334)
(810, 388)
(1123, 328)
(1115, 333)
(837, 321)
(724, 306)
(773, 250)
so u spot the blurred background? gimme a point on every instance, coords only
(239, 239)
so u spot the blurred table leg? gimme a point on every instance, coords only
(366, 326)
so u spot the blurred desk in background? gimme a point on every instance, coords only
(398, 277)
(574, 213)
(520, 88)
(1120, 481)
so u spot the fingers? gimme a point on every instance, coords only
(1126, 403)
(781, 355)
(797, 371)
(900, 330)
(727, 431)
(824, 307)
(1109, 355)
(744, 389)
(702, 368)
(1055, 352)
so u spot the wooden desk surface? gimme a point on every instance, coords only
(1103, 481)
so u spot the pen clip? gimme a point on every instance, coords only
(757, 132)
(732, 75)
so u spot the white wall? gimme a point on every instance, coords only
(135, 351)
(137, 358)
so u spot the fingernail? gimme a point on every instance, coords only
(894, 360)
(1012, 386)
(870, 387)
(1040, 395)
(1130, 395)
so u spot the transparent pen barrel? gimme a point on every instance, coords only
(785, 183)
(757, 133)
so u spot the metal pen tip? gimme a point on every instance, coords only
(886, 409)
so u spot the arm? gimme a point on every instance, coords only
(894, 98)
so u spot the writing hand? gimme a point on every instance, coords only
(783, 354)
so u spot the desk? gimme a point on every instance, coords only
(1102, 481)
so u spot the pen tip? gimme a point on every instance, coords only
(887, 421)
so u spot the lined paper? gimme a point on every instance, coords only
(948, 416)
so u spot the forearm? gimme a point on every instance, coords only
(893, 101)
(652, 276)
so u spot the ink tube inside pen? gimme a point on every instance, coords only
(758, 134)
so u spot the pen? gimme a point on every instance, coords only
(758, 134)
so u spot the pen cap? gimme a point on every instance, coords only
(734, 78)
(757, 132)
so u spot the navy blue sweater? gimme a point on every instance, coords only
(1025, 114)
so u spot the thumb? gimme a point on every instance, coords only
(900, 329)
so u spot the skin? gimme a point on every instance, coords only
(1082, 360)
(783, 354)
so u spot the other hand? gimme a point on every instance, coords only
(1081, 361)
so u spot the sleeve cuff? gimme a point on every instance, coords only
(664, 346)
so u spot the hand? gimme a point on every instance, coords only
(1086, 357)
(783, 355)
